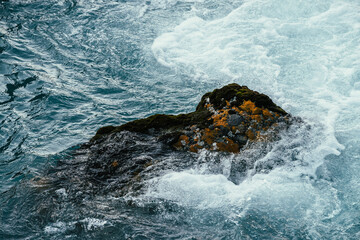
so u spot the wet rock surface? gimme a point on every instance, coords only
(231, 121)
(224, 120)
(118, 164)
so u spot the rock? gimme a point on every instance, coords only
(224, 120)
(121, 159)
(241, 139)
(234, 120)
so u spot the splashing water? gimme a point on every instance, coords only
(69, 67)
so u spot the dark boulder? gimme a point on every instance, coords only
(120, 159)
(224, 120)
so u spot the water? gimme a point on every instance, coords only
(69, 67)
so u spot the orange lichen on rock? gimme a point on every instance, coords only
(220, 119)
(230, 123)
(195, 148)
(229, 120)
(209, 136)
(257, 111)
(256, 118)
(266, 113)
(250, 134)
(237, 110)
(183, 140)
(248, 106)
(228, 146)
(246, 120)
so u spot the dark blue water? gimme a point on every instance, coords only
(70, 67)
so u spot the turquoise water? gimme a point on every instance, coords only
(69, 67)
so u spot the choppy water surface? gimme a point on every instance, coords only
(69, 67)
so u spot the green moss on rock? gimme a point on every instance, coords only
(232, 94)
(158, 122)
(236, 95)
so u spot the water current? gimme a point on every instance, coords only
(68, 67)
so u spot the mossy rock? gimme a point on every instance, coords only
(158, 122)
(232, 91)
(232, 94)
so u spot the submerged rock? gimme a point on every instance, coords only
(224, 120)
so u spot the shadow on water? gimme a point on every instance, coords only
(11, 88)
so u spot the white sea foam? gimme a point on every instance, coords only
(62, 192)
(57, 227)
(299, 151)
(297, 53)
(273, 193)
(305, 55)
(167, 3)
(88, 223)
(300, 54)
